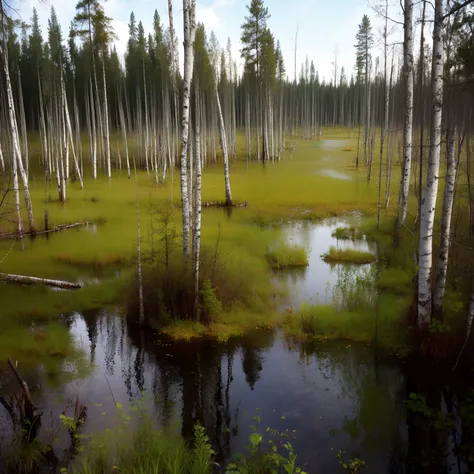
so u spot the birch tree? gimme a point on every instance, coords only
(408, 118)
(214, 54)
(189, 23)
(430, 191)
(197, 199)
(448, 202)
(17, 163)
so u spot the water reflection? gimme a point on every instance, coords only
(316, 282)
(336, 396)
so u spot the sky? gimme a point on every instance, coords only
(324, 27)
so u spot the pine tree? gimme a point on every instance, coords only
(252, 38)
(364, 43)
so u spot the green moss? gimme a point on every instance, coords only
(348, 256)
(284, 256)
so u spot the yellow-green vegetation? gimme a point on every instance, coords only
(396, 280)
(284, 255)
(102, 255)
(383, 325)
(336, 255)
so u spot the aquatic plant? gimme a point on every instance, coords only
(347, 233)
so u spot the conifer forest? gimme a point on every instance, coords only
(216, 257)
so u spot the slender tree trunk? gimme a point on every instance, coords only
(431, 189)
(408, 122)
(385, 115)
(2, 161)
(228, 193)
(197, 201)
(94, 134)
(69, 130)
(106, 118)
(421, 103)
(448, 202)
(189, 32)
(16, 146)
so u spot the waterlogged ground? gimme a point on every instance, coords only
(318, 283)
(334, 396)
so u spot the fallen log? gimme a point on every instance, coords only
(58, 228)
(224, 204)
(30, 280)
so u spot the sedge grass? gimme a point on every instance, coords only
(336, 255)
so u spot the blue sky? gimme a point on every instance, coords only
(323, 26)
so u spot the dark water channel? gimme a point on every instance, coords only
(336, 396)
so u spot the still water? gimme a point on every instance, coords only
(336, 396)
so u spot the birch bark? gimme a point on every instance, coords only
(408, 119)
(448, 202)
(430, 191)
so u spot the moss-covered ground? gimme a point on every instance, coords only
(102, 255)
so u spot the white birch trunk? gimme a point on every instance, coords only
(448, 202)
(94, 135)
(408, 120)
(189, 21)
(2, 161)
(16, 159)
(197, 203)
(225, 151)
(430, 191)
(69, 132)
(106, 118)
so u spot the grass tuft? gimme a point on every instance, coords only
(347, 233)
(348, 256)
(286, 256)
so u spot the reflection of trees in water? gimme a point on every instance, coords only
(252, 364)
(375, 389)
(91, 322)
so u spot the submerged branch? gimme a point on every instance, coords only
(58, 228)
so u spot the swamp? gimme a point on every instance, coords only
(211, 268)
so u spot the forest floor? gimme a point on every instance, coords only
(320, 181)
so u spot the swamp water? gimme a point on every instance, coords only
(329, 396)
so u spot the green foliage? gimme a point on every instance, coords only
(202, 451)
(210, 304)
(353, 465)
(145, 450)
(336, 255)
(284, 255)
(270, 460)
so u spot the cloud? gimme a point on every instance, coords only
(208, 16)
